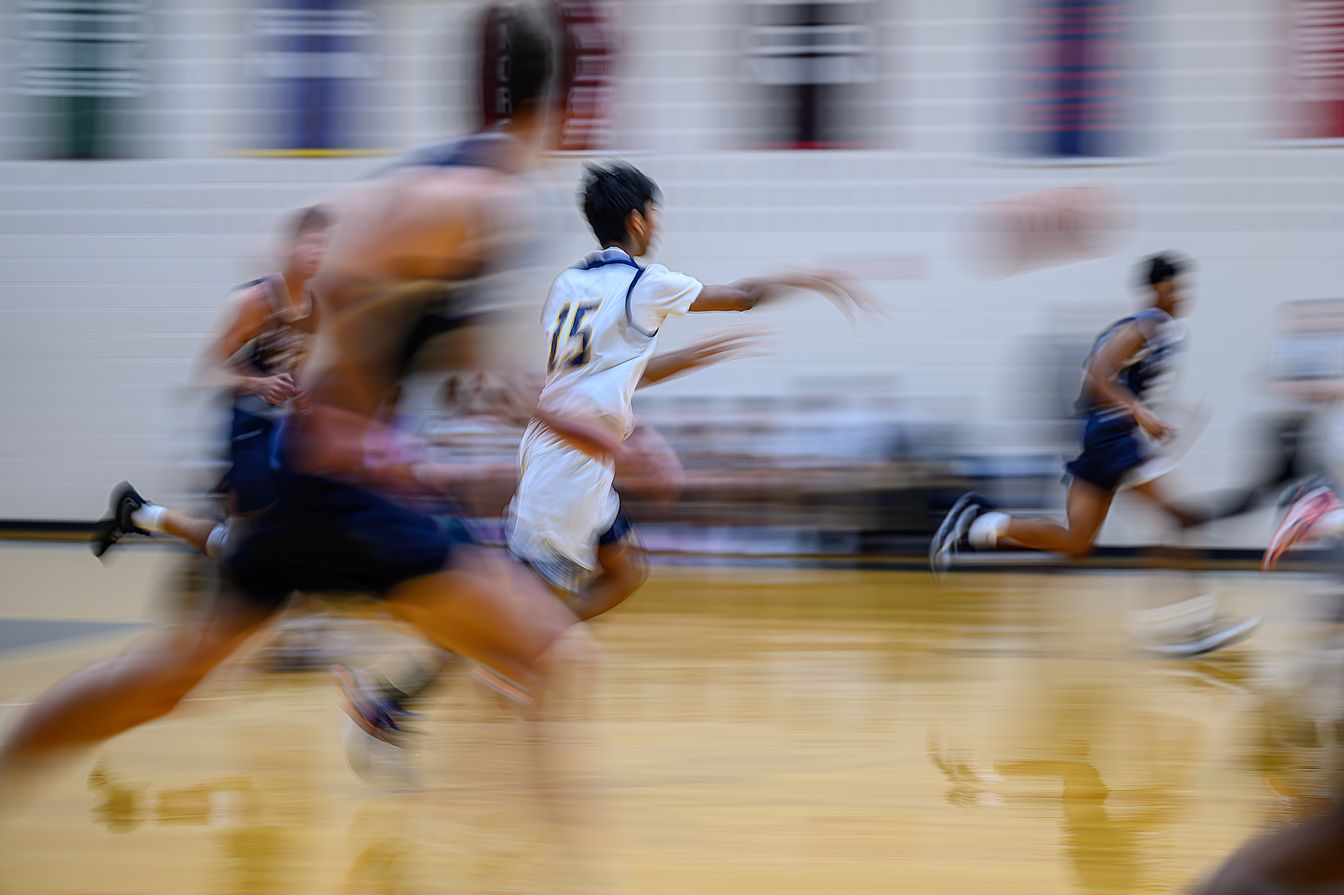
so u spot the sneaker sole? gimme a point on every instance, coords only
(1215, 641)
(941, 545)
(345, 684)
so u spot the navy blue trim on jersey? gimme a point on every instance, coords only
(612, 255)
(629, 318)
(474, 151)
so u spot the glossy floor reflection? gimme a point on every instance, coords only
(773, 731)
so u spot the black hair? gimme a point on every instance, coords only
(311, 219)
(610, 193)
(523, 41)
(1163, 267)
(531, 60)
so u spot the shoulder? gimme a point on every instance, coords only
(1158, 327)
(252, 299)
(657, 273)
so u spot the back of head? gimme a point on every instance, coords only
(520, 46)
(1161, 268)
(609, 193)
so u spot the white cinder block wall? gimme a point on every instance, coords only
(111, 273)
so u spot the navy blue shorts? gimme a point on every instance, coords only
(618, 530)
(1111, 449)
(325, 536)
(251, 477)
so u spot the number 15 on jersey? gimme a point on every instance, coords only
(572, 337)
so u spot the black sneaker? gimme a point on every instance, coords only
(118, 523)
(366, 701)
(953, 529)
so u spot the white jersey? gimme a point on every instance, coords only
(601, 321)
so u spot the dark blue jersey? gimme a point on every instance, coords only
(1148, 368)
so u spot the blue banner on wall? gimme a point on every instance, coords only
(1076, 79)
(315, 63)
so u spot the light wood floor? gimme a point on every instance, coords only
(752, 730)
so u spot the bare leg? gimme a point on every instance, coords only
(1297, 861)
(195, 530)
(498, 613)
(1087, 509)
(623, 572)
(490, 610)
(125, 691)
(1154, 494)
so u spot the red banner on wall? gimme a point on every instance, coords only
(585, 73)
(1046, 228)
(1075, 85)
(1315, 69)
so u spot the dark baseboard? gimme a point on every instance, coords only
(901, 556)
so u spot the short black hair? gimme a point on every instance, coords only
(1163, 267)
(610, 193)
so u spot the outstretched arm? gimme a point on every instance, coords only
(743, 295)
(710, 351)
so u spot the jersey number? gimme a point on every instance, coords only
(569, 326)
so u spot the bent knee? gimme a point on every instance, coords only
(1079, 548)
(574, 650)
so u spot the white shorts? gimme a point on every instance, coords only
(564, 504)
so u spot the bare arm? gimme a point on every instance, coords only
(1321, 390)
(743, 295)
(1101, 380)
(711, 351)
(245, 318)
(740, 296)
(593, 440)
(516, 401)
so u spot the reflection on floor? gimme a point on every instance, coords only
(753, 730)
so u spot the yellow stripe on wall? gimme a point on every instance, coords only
(310, 153)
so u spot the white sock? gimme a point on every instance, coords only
(149, 517)
(217, 541)
(987, 527)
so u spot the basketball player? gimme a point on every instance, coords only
(257, 356)
(1126, 363)
(400, 249)
(1307, 370)
(601, 322)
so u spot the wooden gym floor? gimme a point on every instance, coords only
(752, 730)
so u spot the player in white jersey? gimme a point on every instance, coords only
(602, 319)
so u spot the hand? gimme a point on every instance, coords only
(274, 390)
(838, 288)
(1152, 424)
(647, 465)
(727, 344)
